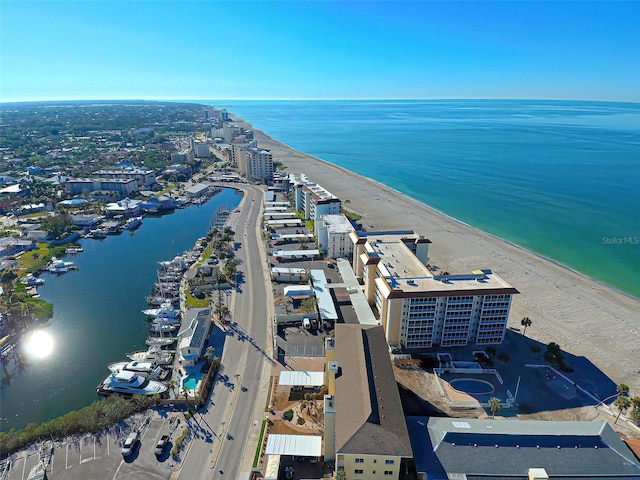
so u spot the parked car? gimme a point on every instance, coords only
(288, 472)
(160, 446)
(130, 444)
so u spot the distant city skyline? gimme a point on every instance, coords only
(289, 50)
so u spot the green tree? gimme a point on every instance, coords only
(341, 474)
(309, 305)
(57, 225)
(525, 322)
(494, 406)
(535, 349)
(623, 389)
(288, 415)
(622, 403)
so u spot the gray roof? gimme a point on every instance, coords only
(509, 448)
(369, 418)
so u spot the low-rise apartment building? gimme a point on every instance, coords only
(419, 309)
(312, 199)
(145, 178)
(333, 234)
(123, 187)
(365, 432)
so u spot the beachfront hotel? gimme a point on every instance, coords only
(419, 309)
(312, 199)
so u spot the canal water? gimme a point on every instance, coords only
(97, 313)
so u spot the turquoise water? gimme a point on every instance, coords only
(190, 382)
(559, 178)
(97, 313)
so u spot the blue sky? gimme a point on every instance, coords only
(319, 50)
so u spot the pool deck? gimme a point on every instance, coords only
(455, 395)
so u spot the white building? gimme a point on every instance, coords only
(419, 309)
(333, 234)
(230, 131)
(312, 199)
(256, 164)
(194, 336)
(201, 150)
(238, 149)
(145, 178)
(124, 187)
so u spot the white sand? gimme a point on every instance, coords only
(584, 317)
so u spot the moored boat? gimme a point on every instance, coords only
(133, 223)
(128, 383)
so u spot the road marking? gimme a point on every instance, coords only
(24, 465)
(66, 460)
(108, 446)
(115, 475)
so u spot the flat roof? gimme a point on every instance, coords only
(197, 188)
(296, 253)
(325, 303)
(356, 295)
(296, 445)
(288, 270)
(298, 291)
(406, 275)
(301, 379)
(337, 223)
(290, 236)
(289, 221)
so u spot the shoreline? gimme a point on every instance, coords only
(584, 316)
(496, 237)
(435, 211)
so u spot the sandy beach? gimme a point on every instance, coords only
(584, 317)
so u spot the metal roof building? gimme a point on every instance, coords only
(301, 379)
(508, 449)
(297, 445)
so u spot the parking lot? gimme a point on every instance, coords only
(99, 456)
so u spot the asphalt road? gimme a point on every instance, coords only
(222, 427)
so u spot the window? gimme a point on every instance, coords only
(388, 462)
(374, 472)
(358, 472)
(359, 460)
(388, 472)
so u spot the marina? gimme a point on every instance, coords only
(97, 314)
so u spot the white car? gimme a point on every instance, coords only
(130, 444)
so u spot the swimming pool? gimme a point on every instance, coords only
(190, 382)
(472, 386)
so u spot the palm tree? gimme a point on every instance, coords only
(185, 392)
(525, 322)
(494, 406)
(623, 389)
(622, 403)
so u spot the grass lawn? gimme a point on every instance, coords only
(34, 259)
(193, 302)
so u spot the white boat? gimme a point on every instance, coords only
(161, 327)
(165, 310)
(133, 223)
(57, 265)
(97, 233)
(152, 354)
(74, 249)
(32, 281)
(149, 369)
(160, 340)
(126, 382)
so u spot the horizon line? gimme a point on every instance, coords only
(62, 100)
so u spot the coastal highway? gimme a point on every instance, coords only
(222, 426)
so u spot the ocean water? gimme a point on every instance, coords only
(559, 178)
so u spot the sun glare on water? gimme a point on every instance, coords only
(39, 344)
